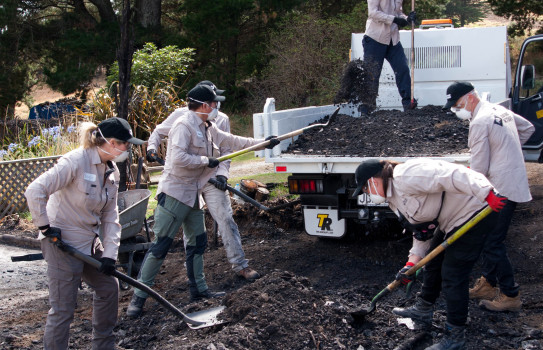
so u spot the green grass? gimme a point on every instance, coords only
(247, 157)
(25, 215)
(151, 205)
(279, 191)
(264, 178)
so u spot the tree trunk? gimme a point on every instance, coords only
(124, 57)
(107, 14)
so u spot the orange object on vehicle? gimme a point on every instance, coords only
(436, 21)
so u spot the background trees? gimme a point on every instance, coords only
(526, 14)
(293, 50)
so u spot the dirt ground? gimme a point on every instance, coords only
(303, 299)
(308, 285)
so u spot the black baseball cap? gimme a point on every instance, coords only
(455, 91)
(204, 93)
(365, 171)
(213, 86)
(119, 129)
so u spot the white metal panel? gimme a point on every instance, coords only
(478, 55)
(307, 164)
(277, 123)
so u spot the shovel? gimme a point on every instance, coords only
(281, 138)
(252, 201)
(412, 58)
(196, 320)
(359, 314)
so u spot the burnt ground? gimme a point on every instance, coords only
(303, 298)
(308, 285)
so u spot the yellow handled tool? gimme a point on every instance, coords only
(361, 313)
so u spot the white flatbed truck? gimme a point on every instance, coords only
(479, 55)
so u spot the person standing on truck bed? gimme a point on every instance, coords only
(424, 190)
(382, 41)
(496, 136)
(193, 145)
(217, 200)
(73, 201)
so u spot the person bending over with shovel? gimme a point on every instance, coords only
(424, 193)
(73, 201)
(191, 156)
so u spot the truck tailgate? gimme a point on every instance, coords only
(303, 164)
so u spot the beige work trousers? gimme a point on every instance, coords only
(64, 274)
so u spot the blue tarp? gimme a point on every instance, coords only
(51, 110)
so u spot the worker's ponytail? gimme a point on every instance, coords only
(89, 135)
(387, 172)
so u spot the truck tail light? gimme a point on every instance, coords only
(304, 186)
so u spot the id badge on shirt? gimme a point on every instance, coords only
(89, 177)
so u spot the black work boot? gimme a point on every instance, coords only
(422, 311)
(135, 308)
(454, 338)
(206, 294)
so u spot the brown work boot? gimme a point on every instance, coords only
(502, 303)
(249, 274)
(483, 290)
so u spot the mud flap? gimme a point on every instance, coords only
(323, 222)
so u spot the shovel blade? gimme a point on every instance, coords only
(360, 314)
(209, 317)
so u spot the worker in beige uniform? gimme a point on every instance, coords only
(215, 196)
(193, 145)
(73, 201)
(382, 41)
(495, 140)
(496, 136)
(429, 191)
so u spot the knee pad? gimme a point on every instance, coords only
(161, 247)
(201, 243)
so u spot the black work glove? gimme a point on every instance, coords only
(400, 21)
(401, 276)
(274, 141)
(412, 17)
(107, 267)
(152, 155)
(213, 162)
(221, 182)
(51, 232)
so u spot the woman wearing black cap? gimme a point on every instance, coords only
(428, 191)
(72, 201)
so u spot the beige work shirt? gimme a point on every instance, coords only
(416, 191)
(496, 136)
(379, 25)
(75, 196)
(190, 143)
(221, 121)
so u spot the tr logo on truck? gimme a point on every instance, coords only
(324, 222)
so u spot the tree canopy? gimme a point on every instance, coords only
(525, 14)
(237, 44)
